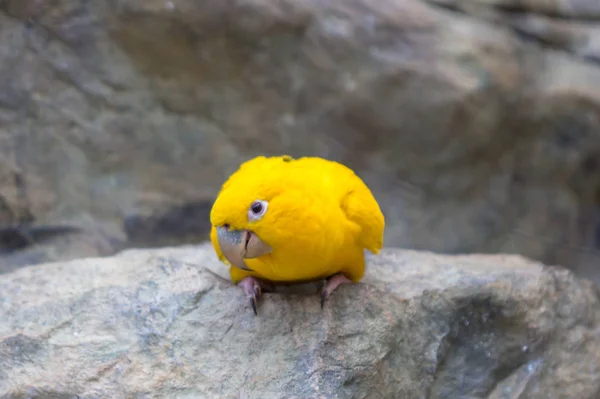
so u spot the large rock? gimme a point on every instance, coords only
(475, 123)
(168, 323)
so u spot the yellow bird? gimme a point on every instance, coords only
(279, 220)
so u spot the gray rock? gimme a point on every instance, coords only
(168, 323)
(476, 127)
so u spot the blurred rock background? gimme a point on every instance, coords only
(476, 123)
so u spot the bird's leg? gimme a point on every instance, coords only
(253, 288)
(331, 283)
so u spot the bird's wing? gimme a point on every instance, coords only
(360, 207)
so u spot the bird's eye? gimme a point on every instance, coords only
(257, 209)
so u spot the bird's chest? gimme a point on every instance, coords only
(296, 266)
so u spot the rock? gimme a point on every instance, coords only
(574, 28)
(583, 9)
(168, 323)
(475, 126)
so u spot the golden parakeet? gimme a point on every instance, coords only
(285, 220)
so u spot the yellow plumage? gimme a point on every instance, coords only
(320, 218)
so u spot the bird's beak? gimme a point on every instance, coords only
(237, 245)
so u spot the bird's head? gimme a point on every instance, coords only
(247, 213)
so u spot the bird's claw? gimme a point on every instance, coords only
(331, 283)
(254, 299)
(324, 296)
(253, 288)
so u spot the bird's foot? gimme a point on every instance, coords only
(331, 283)
(253, 288)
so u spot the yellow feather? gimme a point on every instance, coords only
(320, 218)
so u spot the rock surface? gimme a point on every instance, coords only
(475, 123)
(165, 323)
